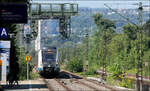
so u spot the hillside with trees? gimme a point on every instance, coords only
(118, 50)
(84, 21)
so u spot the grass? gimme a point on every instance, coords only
(132, 71)
(91, 72)
(111, 81)
(94, 75)
(62, 66)
(34, 75)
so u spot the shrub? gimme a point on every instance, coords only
(92, 70)
(34, 75)
(128, 83)
(75, 65)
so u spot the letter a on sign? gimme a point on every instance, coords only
(3, 33)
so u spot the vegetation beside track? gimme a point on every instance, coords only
(122, 51)
(23, 67)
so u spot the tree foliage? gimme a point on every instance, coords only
(122, 49)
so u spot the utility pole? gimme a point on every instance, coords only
(87, 41)
(87, 50)
(68, 52)
(105, 54)
(139, 74)
(74, 45)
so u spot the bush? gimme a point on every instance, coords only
(23, 66)
(75, 65)
(128, 83)
(92, 70)
(34, 75)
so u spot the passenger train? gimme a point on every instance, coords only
(48, 60)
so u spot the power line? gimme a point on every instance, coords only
(127, 19)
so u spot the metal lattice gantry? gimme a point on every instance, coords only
(63, 12)
(52, 10)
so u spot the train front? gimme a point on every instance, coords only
(50, 61)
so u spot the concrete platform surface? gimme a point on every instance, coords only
(27, 85)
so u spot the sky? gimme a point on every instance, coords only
(128, 4)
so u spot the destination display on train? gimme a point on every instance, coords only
(13, 13)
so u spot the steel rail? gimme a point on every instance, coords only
(48, 85)
(103, 85)
(68, 89)
(87, 85)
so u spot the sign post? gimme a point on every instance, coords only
(1, 62)
(1, 70)
(28, 58)
(27, 70)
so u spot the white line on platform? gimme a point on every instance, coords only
(30, 85)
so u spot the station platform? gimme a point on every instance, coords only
(27, 85)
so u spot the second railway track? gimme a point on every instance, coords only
(68, 81)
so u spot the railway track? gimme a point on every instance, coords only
(145, 77)
(54, 84)
(96, 83)
(69, 82)
(128, 75)
(68, 89)
(146, 80)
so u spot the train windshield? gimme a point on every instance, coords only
(50, 56)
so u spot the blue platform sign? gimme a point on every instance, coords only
(3, 33)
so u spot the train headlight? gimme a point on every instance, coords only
(56, 63)
(49, 65)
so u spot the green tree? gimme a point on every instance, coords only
(146, 28)
(22, 64)
(131, 31)
(119, 53)
(103, 35)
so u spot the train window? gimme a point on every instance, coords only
(50, 51)
(50, 56)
